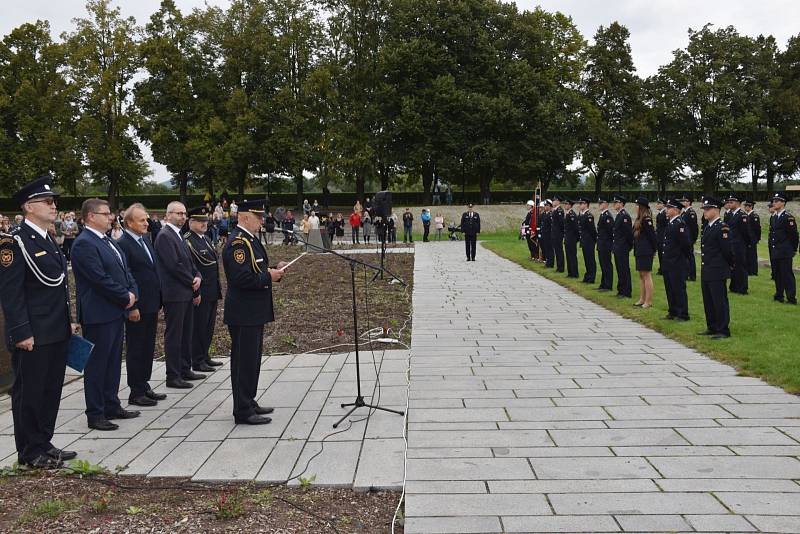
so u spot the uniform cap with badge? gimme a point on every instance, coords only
(643, 202)
(200, 214)
(41, 187)
(619, 198)
(780, 197)
(710, 202)
(673, 203)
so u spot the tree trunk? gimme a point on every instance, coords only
(770, 180)
(485, 187)
(298, 183)
(383, 170)
(598, 182)
(427, 182)
(241, 178)
(210, 183)
(113, 191)
(754, 174)
(709, 181)
(360, 185)
(183, 185)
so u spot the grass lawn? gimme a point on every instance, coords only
(765, 338)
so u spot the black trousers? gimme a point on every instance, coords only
(715, 303)
(205, 318)
(426, 230)
(558, 253)
(675, 287)
(104, 368)
(739, 270)
(178, 317)
(246, 346)
(752, 260)
(606, 267)
(660, 258)
(533, 248)
(623, 264)
(354, 235)
(140, 338)
(784, 279)
(589, 263)
(692, 266)
(548, 253)
(471, 243)
(571, 252)
(36, 396)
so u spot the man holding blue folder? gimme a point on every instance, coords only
(35, 300)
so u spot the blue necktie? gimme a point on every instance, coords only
(141, 242)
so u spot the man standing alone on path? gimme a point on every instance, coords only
(180, 290)
(623, 243)
(782, 245)
(557, 225)
(471, 226)
(715, 269)
(588, 236)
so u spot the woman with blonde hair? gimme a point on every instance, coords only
(645, 245)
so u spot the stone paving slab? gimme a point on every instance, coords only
(535, 410)
(192, 433)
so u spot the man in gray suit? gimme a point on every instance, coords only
(180, 290)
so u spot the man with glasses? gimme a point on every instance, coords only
(35, 300)
(180, 291)
(105, 291)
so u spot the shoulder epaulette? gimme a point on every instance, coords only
(187, 234)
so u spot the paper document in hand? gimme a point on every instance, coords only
(291, 262)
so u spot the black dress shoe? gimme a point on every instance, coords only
(103, 424)
(720, 336)
(669, 317)
(603, 289)
(122, 413)
(682, 319)
(150, 394)
(791, 301)
(706, 333)
(213, 363)
(193, 376)
(179, 384)
(61, 454)
(263, 410)
(204, 368)
(43, 461)
(143, 400)
(776, 298)
(253, 420)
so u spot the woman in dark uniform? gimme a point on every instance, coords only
(645, 245)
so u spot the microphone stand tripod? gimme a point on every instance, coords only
(359, 401)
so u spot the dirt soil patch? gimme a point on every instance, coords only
(49, 502)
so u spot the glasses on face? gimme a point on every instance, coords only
(106, 213)
(50, 201)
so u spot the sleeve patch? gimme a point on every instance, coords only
(6, 257)
(239, 256)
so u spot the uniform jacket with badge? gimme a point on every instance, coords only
(647, 243)
(587, 229)
(739, 228)
(690, 218)
(676, 244)
(102, 279)
(605, 230)
(754, 225)
(248, 300)
(471, 225)
(557, 223)
(715, 252)
(32, 308)
(176, 268)
(783, 237)
(144, 271)
(623, 232)
(206, 261)
(662, 220)
(571, 231)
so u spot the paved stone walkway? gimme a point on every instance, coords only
(534, 410)
(192, 433)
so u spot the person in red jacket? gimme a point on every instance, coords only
(355, 224)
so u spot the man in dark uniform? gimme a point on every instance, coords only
(623, 243)
(661, 227)
(180, 291)
(736, 219)
(782, 245)
(530, 237)
(248, 307)
(754, 224)
(571, 238)
(676, 246)
(557, 232)
(588, 237)
(770, 233)
(605, 245)
(690, 218)
(35, 300)
(471, 227)
(205, 313)
(715, 269)
(546, 230)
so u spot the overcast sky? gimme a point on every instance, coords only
(657, 26)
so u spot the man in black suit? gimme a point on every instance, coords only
(588, 237)
(690, 218)
(471, 226)
(754, 224)
(783, 243)
(180, 290)
(205, 313)
(662, 219)
(557, 232)
(248, 307)
(676, 246)
(623, 243)
(142, 323)
(546, 229)
(35, 300)
(736, 219)
(571, 237)
(715, 269)
(605, 245)
(105, 291)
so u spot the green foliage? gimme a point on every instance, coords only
(133, 510)
(305, 482)
(263, 498)
(229, 505)
(101, 504)
(83, 468)
(50, 509)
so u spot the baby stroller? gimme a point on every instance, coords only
(455, 232)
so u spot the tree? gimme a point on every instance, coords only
(167, 102)
(37, 110)
(784, 108)
(612, 93)
(103, 58)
